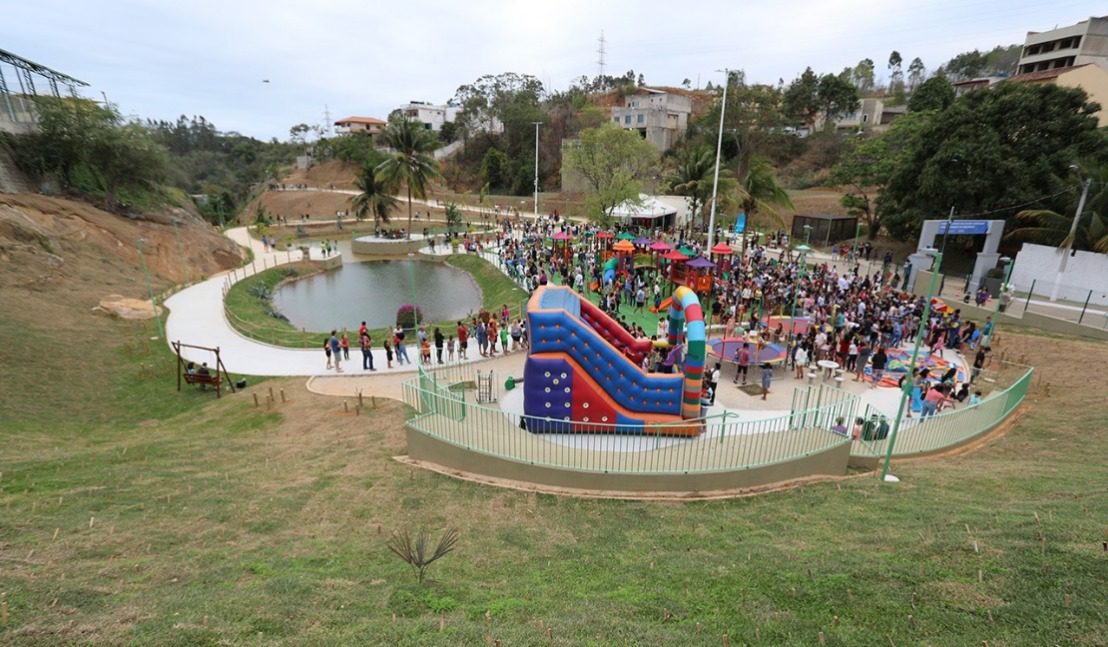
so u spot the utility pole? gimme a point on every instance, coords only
(601, 51)
(946, 231)
(537, 124)
(1070, 239)
(719, 148)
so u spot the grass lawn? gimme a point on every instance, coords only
(132, 513)
(249, 314)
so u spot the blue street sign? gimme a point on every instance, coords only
(740, 222)
(964, 227)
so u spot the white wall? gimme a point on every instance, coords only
(1084, 271)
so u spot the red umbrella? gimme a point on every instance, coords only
(675, 256)
(605, 235)
(722, 248)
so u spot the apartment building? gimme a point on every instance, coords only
(660, 117)
(1085, 42)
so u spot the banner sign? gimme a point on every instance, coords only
(740, 222)
(964, 227)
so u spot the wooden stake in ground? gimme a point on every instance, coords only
(256, 404)
(283, 400)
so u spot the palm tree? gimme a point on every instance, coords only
(373, 197)
(1052, 228)
(411, 162)
(692, 177)
(760, 190)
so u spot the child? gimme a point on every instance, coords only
(425, 351)
(344, 343)
(388, 352)
(327, 351)
(504, 339)
(767, 378)
(450, 348)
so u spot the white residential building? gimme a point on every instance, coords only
(430, 115)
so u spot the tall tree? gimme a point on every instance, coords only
(613, 163)
(800, 101)
(411, 163)
(896, 76)
(372, 197)
(836, 97)
(862, 75)
(867, 165)
(935, 93)
(994, 152)
(916, 73)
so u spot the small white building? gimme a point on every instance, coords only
(1085, 42)
(430, 115)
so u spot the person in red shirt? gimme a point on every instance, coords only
(463, 340)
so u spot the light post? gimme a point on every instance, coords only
(807, 235)
(1070, 240)
(149, 286)
(854, 249)
(802, 271)
(906, 390)
(1010, 263)
(719, 149)
(537, 124)
(411, 286)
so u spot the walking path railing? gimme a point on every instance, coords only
(926, 435)
(441, 407)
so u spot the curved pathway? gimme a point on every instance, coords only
(197, 317)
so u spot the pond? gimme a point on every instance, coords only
(372, 292)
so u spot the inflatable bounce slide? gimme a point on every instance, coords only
(584, 375)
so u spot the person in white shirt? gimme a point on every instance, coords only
(801, 360)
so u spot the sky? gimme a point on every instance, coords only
(160, 59)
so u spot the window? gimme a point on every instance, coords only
(642, 118)
(615, 119)
(627, 119)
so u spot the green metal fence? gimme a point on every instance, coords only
(926, 435)
(729, 442)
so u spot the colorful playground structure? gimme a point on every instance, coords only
(583, 372)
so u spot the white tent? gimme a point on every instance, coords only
(649, 212)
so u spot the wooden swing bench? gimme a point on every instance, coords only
(214, 378)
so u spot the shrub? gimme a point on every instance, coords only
(409, 316)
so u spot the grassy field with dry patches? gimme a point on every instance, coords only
(134, 514)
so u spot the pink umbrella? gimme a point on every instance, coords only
(661, 246)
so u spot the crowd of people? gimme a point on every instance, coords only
(492, 334)
(827, 311)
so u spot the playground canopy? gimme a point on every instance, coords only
(722, 248)
(701, 263)
(661, 246)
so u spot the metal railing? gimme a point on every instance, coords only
(926, 435)
(441, 409)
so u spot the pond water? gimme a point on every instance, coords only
(372, 291)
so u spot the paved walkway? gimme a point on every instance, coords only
(197, 317)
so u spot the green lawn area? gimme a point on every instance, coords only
(250, 315)
(132, 513)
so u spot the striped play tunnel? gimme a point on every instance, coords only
(686, 307)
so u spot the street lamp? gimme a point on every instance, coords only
(537, 124)
(1070, 240)
(906, 389)
(411, 286)
(807, 234)
(719, 149)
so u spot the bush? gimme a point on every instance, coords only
(409, 316)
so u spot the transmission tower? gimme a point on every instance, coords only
(600, 51)
(327, 120)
